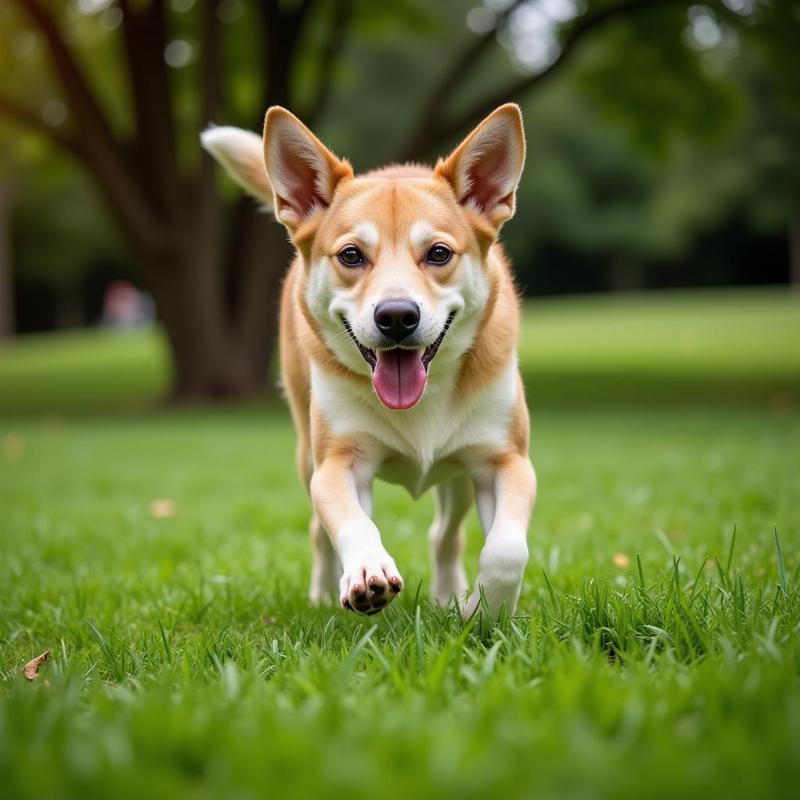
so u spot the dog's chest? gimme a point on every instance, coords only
(413, 476)
(425, 444)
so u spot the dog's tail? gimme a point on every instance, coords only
(242, 154)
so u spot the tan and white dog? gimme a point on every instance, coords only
(399, 326)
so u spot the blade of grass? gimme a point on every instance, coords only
(781, 567)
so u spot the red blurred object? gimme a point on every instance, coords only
(124, 306)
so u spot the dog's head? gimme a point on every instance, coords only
(395, 261)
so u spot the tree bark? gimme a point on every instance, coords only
(794, 252)
(6, 273)
(624, 274)
(188, 308)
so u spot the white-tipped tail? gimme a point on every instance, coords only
(242, 154)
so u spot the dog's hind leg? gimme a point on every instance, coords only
(326, 571)
(446, 536)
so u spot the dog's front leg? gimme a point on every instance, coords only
(505, 489)
(342, 499)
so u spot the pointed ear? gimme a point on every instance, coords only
(242, 154)
(303, 172)
(485, 168)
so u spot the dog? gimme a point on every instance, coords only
(399, 323)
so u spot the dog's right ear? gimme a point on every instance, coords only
(303, 172)
(242, 154)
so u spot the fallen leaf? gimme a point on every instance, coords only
(31, 670)
(13, 448)
(162, 508)
(621, 560)
(782, 402)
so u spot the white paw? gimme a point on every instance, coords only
(496, 597)
(369, 586)
(502, 565)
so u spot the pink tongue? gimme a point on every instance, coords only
(399, 377)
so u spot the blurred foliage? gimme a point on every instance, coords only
(735, 348)
(646, 139)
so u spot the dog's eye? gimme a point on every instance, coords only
(351, 257)
(439, 255)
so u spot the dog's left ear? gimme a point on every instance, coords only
(485, 168)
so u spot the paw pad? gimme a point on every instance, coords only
(369, 589)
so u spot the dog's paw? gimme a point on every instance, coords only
(501, 567)
(368, 587)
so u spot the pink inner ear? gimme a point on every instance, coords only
(300, 180)
(486, 179)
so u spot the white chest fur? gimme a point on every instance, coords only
(426, 443)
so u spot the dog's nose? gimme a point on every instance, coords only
(397, 318)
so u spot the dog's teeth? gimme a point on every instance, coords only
(367, 354)
(432, 349)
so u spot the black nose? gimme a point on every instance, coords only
(397, 318)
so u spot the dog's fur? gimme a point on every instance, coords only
(467, 435)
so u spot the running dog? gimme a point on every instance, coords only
(398, 345)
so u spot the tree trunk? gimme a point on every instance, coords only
(189, 308)
(69, 308)
(794, 251)
(264, 259)
(220, 348)
(6, 275)
(625, 274)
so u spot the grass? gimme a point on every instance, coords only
(654, 654)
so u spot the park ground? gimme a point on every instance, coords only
(160, 556)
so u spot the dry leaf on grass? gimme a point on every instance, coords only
(13, 448)
(782, 402)
(621, 560)
(31, 670)
(162, 508)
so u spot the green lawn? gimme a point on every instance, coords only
(186, 662)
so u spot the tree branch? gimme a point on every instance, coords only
(201, 185)
(282, 27)
(209, 71)
(260, 250)
(144, 30)
(453, 77)
(436, 128)
(30, 119)
(76, 89)
(329, 58)
(104, 155)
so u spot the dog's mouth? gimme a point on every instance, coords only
(399, 375)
